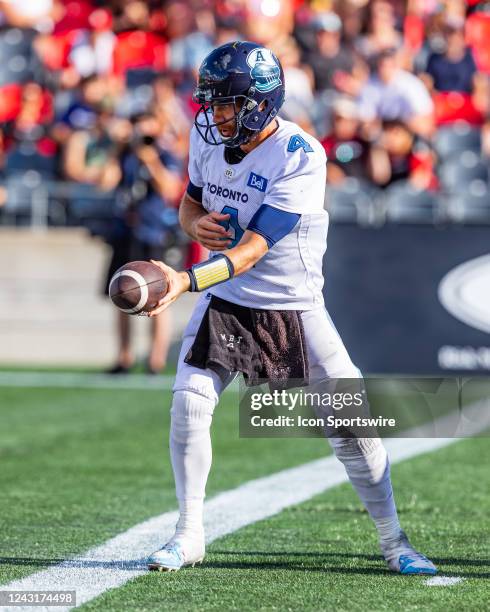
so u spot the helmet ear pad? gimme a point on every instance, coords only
(262, 112)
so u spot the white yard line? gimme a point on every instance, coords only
(81, 380)
(122, 558)
(443, 581)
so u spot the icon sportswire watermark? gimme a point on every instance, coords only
(371, 407)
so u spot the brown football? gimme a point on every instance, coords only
(137, 287)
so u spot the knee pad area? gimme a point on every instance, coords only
(364, 456)
(191, 415)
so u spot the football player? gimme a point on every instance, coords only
(256, 200)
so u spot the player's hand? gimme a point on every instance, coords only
(210, 233)
(178, 283)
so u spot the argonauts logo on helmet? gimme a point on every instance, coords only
(265, 70)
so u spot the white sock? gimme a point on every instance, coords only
(368, 468)
(191, 454)
(388, 528)
(190, 523)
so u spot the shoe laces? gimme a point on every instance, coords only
(174, 548)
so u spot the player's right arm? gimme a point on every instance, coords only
(238, 260)
(202, 226)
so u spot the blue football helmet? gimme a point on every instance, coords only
(246, 75)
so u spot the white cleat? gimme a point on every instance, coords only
(175, 555)
(402, 557)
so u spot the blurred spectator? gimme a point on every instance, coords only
(454, 71)
(92, 50)
(396, 158)
(136, 46)
(72, 15)
(299, 78)
(36, 110)
(20, 65)
(455, 68)
(191, 36)
(477, 30)
(26, 144)
(90, 155)
(94, 96)
(348, 153)
(381, 31)
(227, 30)
(267, 21)
(150, 180)
(149, 183)
(392, 93)
(352, 14)
(28, 13)
(171, 111)
(333, 64)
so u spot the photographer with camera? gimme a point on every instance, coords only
(149, 183)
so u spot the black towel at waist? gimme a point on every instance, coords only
(262, 344)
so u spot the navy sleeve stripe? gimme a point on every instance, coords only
(272, 223)
(194, 191)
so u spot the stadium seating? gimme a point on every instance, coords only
(19, 63)
(471, 206)
(25, 157)
(27, 199)
(351, 202)
(457, 173)
(86, 201)
(450, 141)
(406, 204)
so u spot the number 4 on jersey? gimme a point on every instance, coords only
(233, 223)
(298, 142)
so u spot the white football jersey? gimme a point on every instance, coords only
(288, 172)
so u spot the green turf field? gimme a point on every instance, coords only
(79, 466)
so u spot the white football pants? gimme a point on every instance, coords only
(197, 391)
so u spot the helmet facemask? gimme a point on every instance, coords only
(207, 128)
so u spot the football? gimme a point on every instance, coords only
(137, 287)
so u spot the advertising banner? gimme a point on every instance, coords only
(411, 299)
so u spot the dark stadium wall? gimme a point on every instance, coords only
(382, 291)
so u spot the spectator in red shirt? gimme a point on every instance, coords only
(136, 45)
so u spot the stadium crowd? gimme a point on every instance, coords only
(96, 104)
